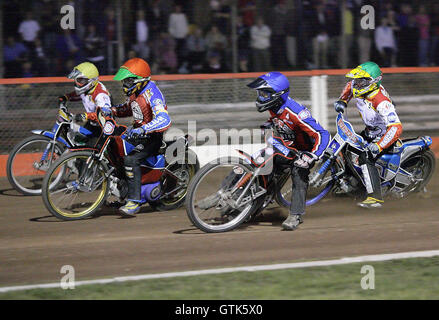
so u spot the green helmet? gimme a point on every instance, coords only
(366, 78)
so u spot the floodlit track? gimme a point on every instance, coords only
(34, 245)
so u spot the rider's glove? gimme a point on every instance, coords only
(340, 106)
(136, 132)
(374, 149)
(62, 99)
(305, 160)
(81, 117)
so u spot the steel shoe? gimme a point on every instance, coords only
(130, 208)
(370, 203)
(292, 222)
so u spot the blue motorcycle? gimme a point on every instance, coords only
(30, 159)
(404, 168)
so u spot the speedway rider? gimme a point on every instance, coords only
(148, 107)
(298, 129)
(383, 127)
(92, 93)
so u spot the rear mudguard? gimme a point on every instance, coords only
(50, 135)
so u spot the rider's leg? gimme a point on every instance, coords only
(299, 177)
(372, 182)
(134, 174)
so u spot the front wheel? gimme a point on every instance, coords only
(83, 189)
(29, 161)
(223, 195)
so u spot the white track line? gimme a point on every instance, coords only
(322, 263)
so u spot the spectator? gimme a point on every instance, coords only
(221, 15)
(68, 48)
(385, 42)
(248, 10)
(94, 48)
(141, 45)
(13, 54)
(178, 29)
(38, 59)
(320, 38)
(156, 18)
(423, 23)
(164, 53)
(434, 54)
(260, 35)
(29, 29)
(110, 25)
(278, 21)
(243, 35)
(214, 64)
(215, 40)
(407, 36)
(27, 70)
(291, 28)
(196, 46)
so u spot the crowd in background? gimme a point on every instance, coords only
(196, 36)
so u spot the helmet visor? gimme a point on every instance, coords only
(264, 95)
(128, 82)
(80, 82)
(361, 83)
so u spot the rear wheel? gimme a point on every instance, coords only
(421, 166)
(223, 195)
(314, 193)
(29, 161)
(175, 185)
(83, 189)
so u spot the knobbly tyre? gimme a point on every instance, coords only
(44, 147)
(404, 168)
(229, 191)
(91, 175)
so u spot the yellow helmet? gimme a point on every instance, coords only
(366, 78)
(86, 77)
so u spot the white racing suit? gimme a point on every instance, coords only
(383, 127)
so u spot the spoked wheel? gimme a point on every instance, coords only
(314, 193)
(29, 161)
(83, 189)
(222, 195)
(175, 184)
(421, 166)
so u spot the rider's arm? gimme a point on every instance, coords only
(313, 129)
(72, 96)
(160, 121)
(394, 127)
(103, 101)
(122, 110)
(346, 94)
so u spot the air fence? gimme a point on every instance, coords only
(222, 105)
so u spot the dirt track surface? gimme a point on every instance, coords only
(34, 245)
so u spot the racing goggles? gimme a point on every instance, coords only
(361, 83)
(265, 95)
(80, 82)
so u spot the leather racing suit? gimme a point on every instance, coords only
(149, 111)
(383, 127)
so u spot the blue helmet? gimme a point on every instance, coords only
(272, 88)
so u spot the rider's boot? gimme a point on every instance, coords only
(373, 187)
(130, 208)
(292, 222)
